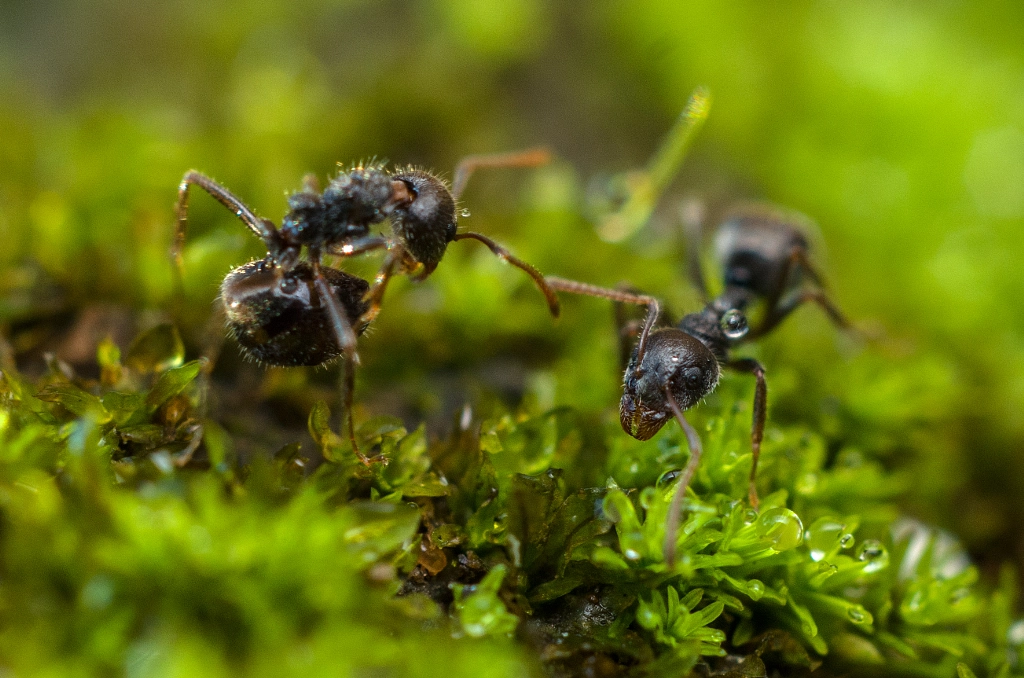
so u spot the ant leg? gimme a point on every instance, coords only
(799, 256)
(346, 338)
(653, 307)
(348, 387)
(692, 214)
(359, 246)
(821, 298)
(264, 228)
(675, 509)
(751, 366)
(343, 331)
(629, 328)
(396, 258)
(509, 258)
(779, 312)
(530, 157)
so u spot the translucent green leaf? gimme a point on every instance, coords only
(378, 528)
(172, 382)
(480, 611)
(80, 403)
(964, 671)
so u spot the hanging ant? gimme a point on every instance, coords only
(288, 312)
(764, 258)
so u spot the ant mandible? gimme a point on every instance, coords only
(763, 255)
(288, 312)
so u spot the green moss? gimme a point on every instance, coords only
(121, 551)
(157, 519)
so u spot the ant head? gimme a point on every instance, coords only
(675, 359)
(426, 221)
(276, 315)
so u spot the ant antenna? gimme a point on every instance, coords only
(675, 509)
(530, 157)
(653, 307)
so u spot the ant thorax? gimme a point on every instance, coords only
(353, 202)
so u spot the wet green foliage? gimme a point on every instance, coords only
(126, 551)
(162, 515)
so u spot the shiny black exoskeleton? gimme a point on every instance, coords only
(670, 369)
(279, 319)
(287, 311)
(763, 254)
(687, 359)
(419, 205)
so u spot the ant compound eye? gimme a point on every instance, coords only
(734, 324)
(692, 375)
(288, 285)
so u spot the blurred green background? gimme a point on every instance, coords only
(897, 126)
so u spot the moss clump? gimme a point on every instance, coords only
(126, 546)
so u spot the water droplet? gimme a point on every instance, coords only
(870, 549)
(755, 589)
(734, 324)
(668, 477)
(781, 527)
(857, 614)
(749, 516)
(846, 541)
(824, 536)
(631, 554)
(873, 555)
(464, 213)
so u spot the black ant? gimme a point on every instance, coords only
(764, 258)
(289, 312)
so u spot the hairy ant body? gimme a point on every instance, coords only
(764, 258)
(286, 311)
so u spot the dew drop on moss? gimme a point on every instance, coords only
(823, 536)
(873, 555)
(857, 614)
(782, 527)
(870, 550)
(755, 589)
(668, 477)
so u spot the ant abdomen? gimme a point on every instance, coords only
(674, 359)
(755, 252)
(278, 318)
(426, 223)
